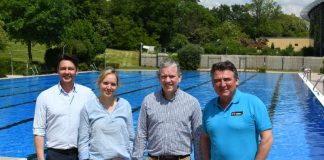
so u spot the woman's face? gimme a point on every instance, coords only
(108, 85)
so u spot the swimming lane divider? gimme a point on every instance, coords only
(52, 82)
(15, 105)
(40, 78)
(274, 99)
(134, 109)
(194, 86)
(39, 90)
(16, 123)
(55, 79)
(247, 79)
(186, 89)
(189, 88)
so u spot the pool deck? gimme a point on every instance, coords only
(317, 80)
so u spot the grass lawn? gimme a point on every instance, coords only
(19, 52)
(126, 59)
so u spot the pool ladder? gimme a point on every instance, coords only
(317, 81)
(33, 69)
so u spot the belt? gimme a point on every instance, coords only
(71, 151)
(169, 157)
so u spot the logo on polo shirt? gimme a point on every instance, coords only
(237, 113)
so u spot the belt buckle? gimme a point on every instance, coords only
(168, 157)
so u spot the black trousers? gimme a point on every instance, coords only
(62, 154)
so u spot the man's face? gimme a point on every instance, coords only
(224, 84)
(169, 79)
(67, 71)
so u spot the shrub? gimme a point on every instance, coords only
(307, 51)
(83, 67)
(18, 67)
(114, 65)
(177, 42)
(262, 69)
(211, 48)
(173, 56)
(51, 58)
(99, 61)
(270, 51)
(189, 56)
(289, 51)
(4, 67)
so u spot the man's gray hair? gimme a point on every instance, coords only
(169, 63)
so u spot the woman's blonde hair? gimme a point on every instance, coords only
(104, 73)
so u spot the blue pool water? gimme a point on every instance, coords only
(297, 116)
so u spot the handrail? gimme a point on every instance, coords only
(307, 74)
(318, 81)
(36, 70)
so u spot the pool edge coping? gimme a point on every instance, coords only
(315, 91)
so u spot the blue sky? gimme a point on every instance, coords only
(288, 6)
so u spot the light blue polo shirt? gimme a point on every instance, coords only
(234, 132)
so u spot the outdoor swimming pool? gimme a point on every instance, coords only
(297, 116)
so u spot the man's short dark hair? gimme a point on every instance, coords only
(222, 66)
(71, 58)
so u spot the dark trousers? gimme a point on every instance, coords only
(62, 154)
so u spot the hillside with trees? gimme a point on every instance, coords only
(87, 27)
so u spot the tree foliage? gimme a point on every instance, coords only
(189, 56)
(3, 37)
(86, 27)
(40, 21)
(81, 39)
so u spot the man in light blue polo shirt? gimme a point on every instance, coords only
(57, 114)
(234, 121)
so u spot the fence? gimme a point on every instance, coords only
(287, 63)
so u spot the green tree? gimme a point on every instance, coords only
(178, 41)
(82, 40)
(3, 37)
(241, 16)
(262, 11)
(292, 26)
(127, 35)
(39, 21)
(171, 17)
(198, 25)
(97, 12)
(229, 31)
(222, 13)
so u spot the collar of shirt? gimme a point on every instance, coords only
(235, 100)
(74, 90)
(174, 96)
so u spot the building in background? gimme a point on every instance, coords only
(314, 13)
(296, 42)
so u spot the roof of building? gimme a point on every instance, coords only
(304, 13)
